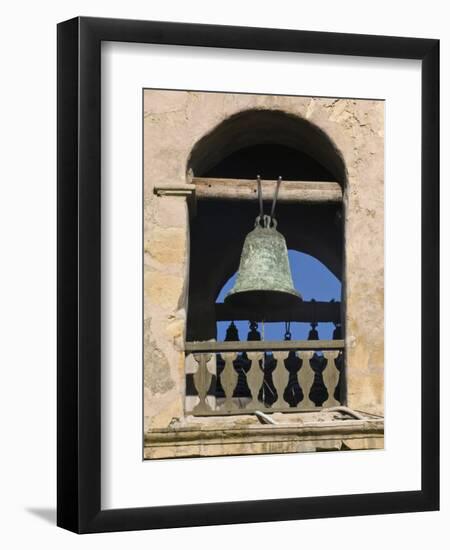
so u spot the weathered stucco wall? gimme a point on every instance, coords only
(173, 123)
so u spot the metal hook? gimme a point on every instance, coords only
(267, 220)
(260, 198)
(275, 197)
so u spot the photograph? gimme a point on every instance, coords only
(263, 274)
(226, 224)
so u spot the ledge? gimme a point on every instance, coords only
(219, 440)
(264, 345)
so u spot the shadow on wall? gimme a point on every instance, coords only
(46, 514)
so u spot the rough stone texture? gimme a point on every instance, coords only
(166, 244)
(303, 432)
(174, 122)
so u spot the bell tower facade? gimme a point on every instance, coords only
(200, 201)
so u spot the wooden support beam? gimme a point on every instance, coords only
(304, 312)
(290, 191)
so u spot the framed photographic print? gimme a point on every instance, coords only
(247, 274)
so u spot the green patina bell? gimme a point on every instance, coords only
(264, 280)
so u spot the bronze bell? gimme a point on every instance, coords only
(264, 280)
(232, 334)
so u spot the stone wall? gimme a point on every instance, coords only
(174, 122)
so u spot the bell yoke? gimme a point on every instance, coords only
(264, 279)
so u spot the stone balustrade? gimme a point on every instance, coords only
(224, 378)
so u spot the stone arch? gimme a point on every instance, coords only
(263, 126)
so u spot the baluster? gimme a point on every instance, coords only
(306, 379)
(202, 381)
(292, 364)
(228, 379)
(330, 377)
(280, 377)
(339, 362)
(255, 377)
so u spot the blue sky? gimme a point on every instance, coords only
(313, 280)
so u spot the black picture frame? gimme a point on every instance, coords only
(79, 281)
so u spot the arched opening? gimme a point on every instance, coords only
(269, 144)
(272, 144)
